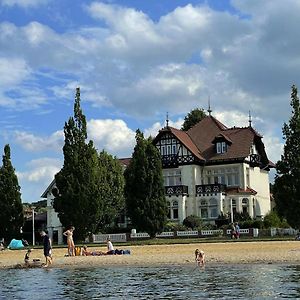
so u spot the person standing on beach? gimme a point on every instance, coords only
(232, 231)
(71, 246)
(47, 248)
(237, 230)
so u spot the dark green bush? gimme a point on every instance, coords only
(192, 222)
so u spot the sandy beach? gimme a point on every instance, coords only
(177, 254)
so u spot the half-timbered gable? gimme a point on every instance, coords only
(176, 148)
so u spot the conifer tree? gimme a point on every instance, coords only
(144, 189)
(192, 118)
(77, 198)
(11, 209)
(287, 180)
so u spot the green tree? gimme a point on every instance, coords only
(111, 187)
(88, 185)
(287, 180)
(144, 189)
(192, 118)
(11, 209)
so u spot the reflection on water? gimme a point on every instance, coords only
(185, 282)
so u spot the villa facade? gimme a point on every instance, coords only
(212, 170)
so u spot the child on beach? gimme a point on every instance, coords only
(200, 257)
(26, 258)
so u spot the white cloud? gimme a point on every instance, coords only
(154, 129)
(33, 143)
(23, 3)
(38, 175)
(13, 71)
(112, 135)
(274, 147)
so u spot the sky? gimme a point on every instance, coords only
(134, 61)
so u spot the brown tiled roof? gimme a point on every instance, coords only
(186, 140)
(204, 133)
(238, 190)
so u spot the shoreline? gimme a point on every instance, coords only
(236, 252)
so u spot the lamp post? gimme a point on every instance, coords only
(33, 233)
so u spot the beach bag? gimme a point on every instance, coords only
(77, 251)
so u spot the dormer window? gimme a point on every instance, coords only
(222, 143)
(221, 147)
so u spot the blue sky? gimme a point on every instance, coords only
(134, 61)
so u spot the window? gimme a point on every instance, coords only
(245, 205)
(175, 210)
(213, 208)
(172, 177)
(232, 176)
(204, 213)
(221, 147)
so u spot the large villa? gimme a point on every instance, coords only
(209, 170)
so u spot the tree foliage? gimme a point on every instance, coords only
(111, 185)
(144, 189)
(83, 197)
(192, 118)
(287, 180)
(11, 209)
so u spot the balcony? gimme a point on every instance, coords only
(255, 160)
(210, 189)
(177, 190)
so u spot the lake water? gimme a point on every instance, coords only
(254, 281)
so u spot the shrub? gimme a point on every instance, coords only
(171, 226)
(192, 222)
(272, 220)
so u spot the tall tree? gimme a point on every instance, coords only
(11, 209)
(81, 194)
(287, 180)
(111, 189)
(192, 118)
(144, 189)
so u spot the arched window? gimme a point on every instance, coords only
(213, 208)
(245, 205)
(203, 209)
(175, 209)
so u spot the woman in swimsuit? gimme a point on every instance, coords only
(69, 234)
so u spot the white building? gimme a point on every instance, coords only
(212, 170)
(54, 227)
(208, 171)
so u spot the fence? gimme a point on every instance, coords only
(253, 232)
(116, 237)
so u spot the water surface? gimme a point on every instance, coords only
(172, 282)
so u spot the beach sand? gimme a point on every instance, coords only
(177, 254)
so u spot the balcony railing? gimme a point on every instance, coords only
(177, 190)
(210, 188)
